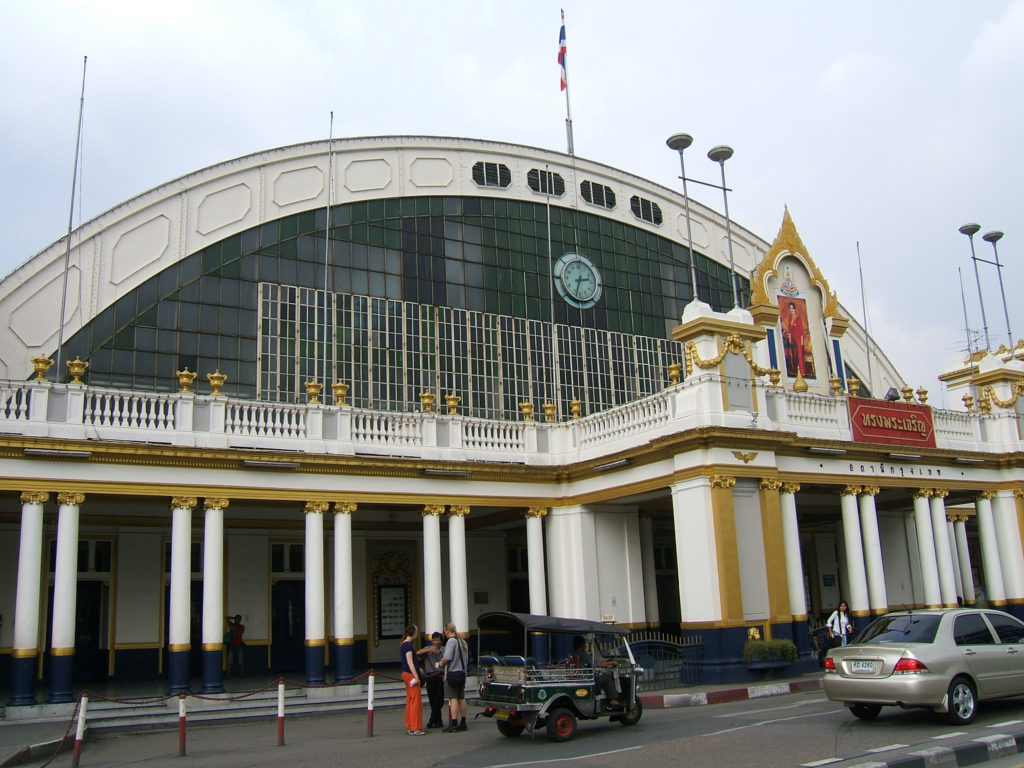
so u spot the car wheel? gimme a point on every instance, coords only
(505, 728)
(866, 711)
(561, 724)
(962, 701)
(633, 716)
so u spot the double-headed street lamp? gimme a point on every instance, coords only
(994, 237)
(719, 154)
(989, 237)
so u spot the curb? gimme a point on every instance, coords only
(992, 747)
(40, 751)
(672, 700)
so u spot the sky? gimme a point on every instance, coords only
(879, 123)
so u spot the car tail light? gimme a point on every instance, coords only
(909, 666)
(830, 664)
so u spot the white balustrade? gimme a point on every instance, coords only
(131, 410)
(15, 402)
(253, 419)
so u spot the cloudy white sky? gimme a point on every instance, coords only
(890, 124)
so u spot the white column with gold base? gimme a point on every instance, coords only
(25, 652)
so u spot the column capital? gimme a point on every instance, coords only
(458, 510)
(956, 518)
(922, 493)
(184, 502)
(432, 510)
(988, 495)
(345, 507)
(537, 512)
(34, 497)
(722, 481)
(870, 490)
(213, 502)
(70, 497)
(770, 484)
(939, 493)
(850, 490)
(316, 506)
(791, 487)
(1018, 493)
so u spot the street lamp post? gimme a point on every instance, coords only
(679, 142)
(994, 237)
(719, 155)
(971, 230)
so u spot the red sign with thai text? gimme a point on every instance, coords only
(895, 423)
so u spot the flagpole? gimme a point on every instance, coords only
(867, 333)
(71, 219)
(565, 87)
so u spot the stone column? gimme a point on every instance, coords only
(1004, 512)
(794, 563)
(26, 602)
(943, 556)
(872, 551)
(535, 560)
(179, 630)
(433, 611)
(856, 576)
(316, 637)
(955, 556)
(457, 567)
(926, 548)
(213, 595)
(651, 608)
(992, 568)
(344, 617)
(964, 558)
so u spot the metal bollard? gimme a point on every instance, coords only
(80, 733)
(181, 725)
(280, 713)
(369, 705)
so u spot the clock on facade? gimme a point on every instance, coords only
(578, 280)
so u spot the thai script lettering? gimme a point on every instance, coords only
(898, 423)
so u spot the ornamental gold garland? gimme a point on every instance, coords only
(1018, 390)
(734, 344)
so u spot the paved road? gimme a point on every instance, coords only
(781, 732)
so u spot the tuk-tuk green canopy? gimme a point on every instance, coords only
(528, 622)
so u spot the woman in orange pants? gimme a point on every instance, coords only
(411, 677)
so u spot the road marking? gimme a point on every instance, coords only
(762, 710)
(950, 735)
(888, 747)
(549, 761)
(767, 722)
(1003, 725)
(826, 761)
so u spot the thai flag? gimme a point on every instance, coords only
(561, 50)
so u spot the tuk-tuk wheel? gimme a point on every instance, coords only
(561, 724)
(633, 716)
(505, 728)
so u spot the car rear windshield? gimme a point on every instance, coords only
(901, 628)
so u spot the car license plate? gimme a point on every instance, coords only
(862, 667)
(502, 714)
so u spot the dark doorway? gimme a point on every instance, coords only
(288, 625)
(92, 600)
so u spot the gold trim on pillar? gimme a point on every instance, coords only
(770, 484)
(989, 495)
(184, 502)
(62, 651)
(316, 643)
(212, 502)
(344, 641)
(316, 506)
(70, 497)
(345, 507)
(850, 490)
(922, 493)
(724, 514)
(722, 481)
(939, 493)
(458, 510)
(870, 490)
(213, 646)
(774, 550)
(24, 653)
(792, 488)
(179, 647)
(432, 510)
(34, 497)
(538, 512)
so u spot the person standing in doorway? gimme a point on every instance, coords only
(236, 644)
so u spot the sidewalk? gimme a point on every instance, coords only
(25, 741)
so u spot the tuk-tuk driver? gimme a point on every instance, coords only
(602, 676)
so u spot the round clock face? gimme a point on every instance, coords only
(578, 280)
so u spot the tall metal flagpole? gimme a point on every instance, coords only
(71, 219)
(565, 87)
(864, 310)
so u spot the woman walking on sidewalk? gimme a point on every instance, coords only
(411, 678)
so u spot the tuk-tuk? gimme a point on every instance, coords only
(540, 680)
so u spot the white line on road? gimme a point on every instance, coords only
(826, 761)
(888, 747)
(550, 761)
(762, 710)
(1003, 725)
(766, 722)
(950, 735)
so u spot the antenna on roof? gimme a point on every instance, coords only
(864, 311)
(71, 219)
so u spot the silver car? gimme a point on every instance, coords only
(944, 660)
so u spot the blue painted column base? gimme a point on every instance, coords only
(23, 679)
(213, 671)
(61, 674)
(344, 662)
(315, 665)
(177, 671)
(539, 648)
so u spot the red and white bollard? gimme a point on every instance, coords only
(280, 713)
(181, 725)
(369, 705)
(83, 705)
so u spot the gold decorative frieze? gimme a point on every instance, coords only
(850, 490)
(34, 497)
(870, 490)
(345, 507)
(71, 498)
(731, 344)
(791, 487)
(212, 502)
(939, 493)
(987, 495)
(432, 510)
(922, 493)
(316, 506)
(184, 502)
(458, 510)
(722, 481)
(747, 457)
(538, 512)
